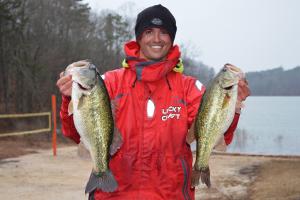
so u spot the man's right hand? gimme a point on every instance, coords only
(64, 84)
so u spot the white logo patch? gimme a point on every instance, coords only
(172, 112)
(156, 21)
(199, 85)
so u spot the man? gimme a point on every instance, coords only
(155, 107)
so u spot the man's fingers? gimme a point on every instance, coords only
(67, 85)
(243, 82)
(67, 92)
(80, 63)
(243, 90)
(66, 89)
(63, 80)
(64, 85)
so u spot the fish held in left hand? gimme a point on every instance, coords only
(93, 119)
(214, 117)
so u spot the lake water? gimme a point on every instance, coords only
(268, 126)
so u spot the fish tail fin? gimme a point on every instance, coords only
(195, 178)
(105, 182)
(205, 176)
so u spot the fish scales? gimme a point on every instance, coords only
(98, 121)
(210, 122)
(214, 117)
(93, 119)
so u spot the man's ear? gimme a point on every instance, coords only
(138, 40)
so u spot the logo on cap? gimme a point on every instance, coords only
(156, 21)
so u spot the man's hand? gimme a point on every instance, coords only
(64, 83)
(243, 93)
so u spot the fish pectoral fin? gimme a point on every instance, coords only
(226, 101)
(70, 108)
(117, 142)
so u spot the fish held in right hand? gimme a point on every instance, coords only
(93, 119)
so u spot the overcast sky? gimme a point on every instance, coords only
(252, 34)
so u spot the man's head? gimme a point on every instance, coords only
(155, 32)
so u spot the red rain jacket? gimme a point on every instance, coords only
(154, 162)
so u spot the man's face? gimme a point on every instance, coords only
(155, 44)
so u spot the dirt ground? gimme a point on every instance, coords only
(29, 171)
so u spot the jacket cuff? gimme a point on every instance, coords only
(228, 135)
(65, 104)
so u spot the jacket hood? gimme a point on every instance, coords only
(151, 70)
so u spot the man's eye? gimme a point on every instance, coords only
(163, 32)
(148, 32)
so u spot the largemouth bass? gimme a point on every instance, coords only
(214, 117)
(93, 119)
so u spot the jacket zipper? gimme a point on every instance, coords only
(185, 181)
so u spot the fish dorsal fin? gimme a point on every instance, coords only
(70, 108)
(226, 100)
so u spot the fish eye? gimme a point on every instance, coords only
(224, 69)
(91, 66)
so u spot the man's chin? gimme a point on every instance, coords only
(156, 58)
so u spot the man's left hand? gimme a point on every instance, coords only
(243, 93)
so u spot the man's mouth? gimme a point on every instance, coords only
(156, 47)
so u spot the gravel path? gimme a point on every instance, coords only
(39, 176)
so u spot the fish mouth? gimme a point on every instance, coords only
(228, 88)
(82, 87)
(229, 83)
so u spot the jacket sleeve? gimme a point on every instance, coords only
(228, 135)
(67, 123)
(194, 92)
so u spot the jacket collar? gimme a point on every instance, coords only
(150, 71)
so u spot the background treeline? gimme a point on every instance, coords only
(39, 38)
(275, 82)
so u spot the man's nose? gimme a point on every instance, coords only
(157, 36)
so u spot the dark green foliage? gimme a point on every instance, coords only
(197, 69)
(38, 39)
(275, 82)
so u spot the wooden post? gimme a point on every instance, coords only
(54, 124)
